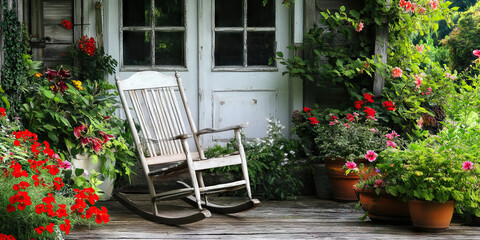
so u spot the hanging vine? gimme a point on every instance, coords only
(13, 68)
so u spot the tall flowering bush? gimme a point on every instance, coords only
(38, 200)
(414, 83)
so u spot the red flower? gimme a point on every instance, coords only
(106, 137)
(50, 227)
(87, 45)
(58, 183)
(368, 98)
(11, 208)
(16, 143)
(389, 105)
(370, 112)
(102, 216)
(40, 230)
(40, 208)
(66, 24)
(313, 120)
(306, 109)
(2, 112)
(358, 104)
(66, 227)
(350, 117)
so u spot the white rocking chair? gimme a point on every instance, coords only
(162, 139)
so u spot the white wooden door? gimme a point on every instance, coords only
(237, 84)
(223, 87)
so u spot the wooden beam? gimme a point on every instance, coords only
(99, 22)
(381, 43)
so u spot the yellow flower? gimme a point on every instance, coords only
(77, 84)
(51, 87)
(37, 75)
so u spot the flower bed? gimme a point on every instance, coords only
(40, 194)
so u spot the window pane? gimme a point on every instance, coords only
(228, 49)
(228, 13)
(169, 48)
(136, 13)
(136, 48)
(169, 12)
(260, 47)
(260, 16)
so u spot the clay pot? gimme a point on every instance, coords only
(383, 207)
(342, 185)
(431, 215)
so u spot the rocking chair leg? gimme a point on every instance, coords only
(224, 209)
(121, 198)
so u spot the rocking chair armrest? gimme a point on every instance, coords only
(178, 137)
(213, 130)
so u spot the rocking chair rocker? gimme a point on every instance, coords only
(162, 140)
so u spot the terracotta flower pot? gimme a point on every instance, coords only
(431, 215)
(383, 207)
(342, 185)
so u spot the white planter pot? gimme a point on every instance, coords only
(85, 162)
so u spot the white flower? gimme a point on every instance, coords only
(292, 152)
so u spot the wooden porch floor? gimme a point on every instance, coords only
(303, 218)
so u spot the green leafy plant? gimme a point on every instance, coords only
(272, 163)
(13, 69)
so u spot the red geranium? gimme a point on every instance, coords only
(66, 24)
(389, 105)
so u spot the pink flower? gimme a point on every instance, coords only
(373, 130)
(418, 80)
(371, 155)
(360, 27)
(476, 53)
(391, 144)
(420, 48)
(356, 114)
(434, 4)
(421, 10)
(420, 122)
(392, 135)
(379, 183)
(397, 72)
(467, 165)
(66, 165)
(350, 165)
(450, 75)
(346, 125)
(429, 91)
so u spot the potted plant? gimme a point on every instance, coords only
(433, 174)
(357, 138)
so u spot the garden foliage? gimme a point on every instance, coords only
(272, 163)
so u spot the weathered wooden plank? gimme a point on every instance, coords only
(304, 218)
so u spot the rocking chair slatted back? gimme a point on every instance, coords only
(157, 112)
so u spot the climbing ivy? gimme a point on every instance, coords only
(13, 68)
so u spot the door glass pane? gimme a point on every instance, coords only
(136, 48)
(169, 48)
(169, 12)
(228, 13)
(136, 13)
(260, 47)
(260, 16)
(228, 48)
